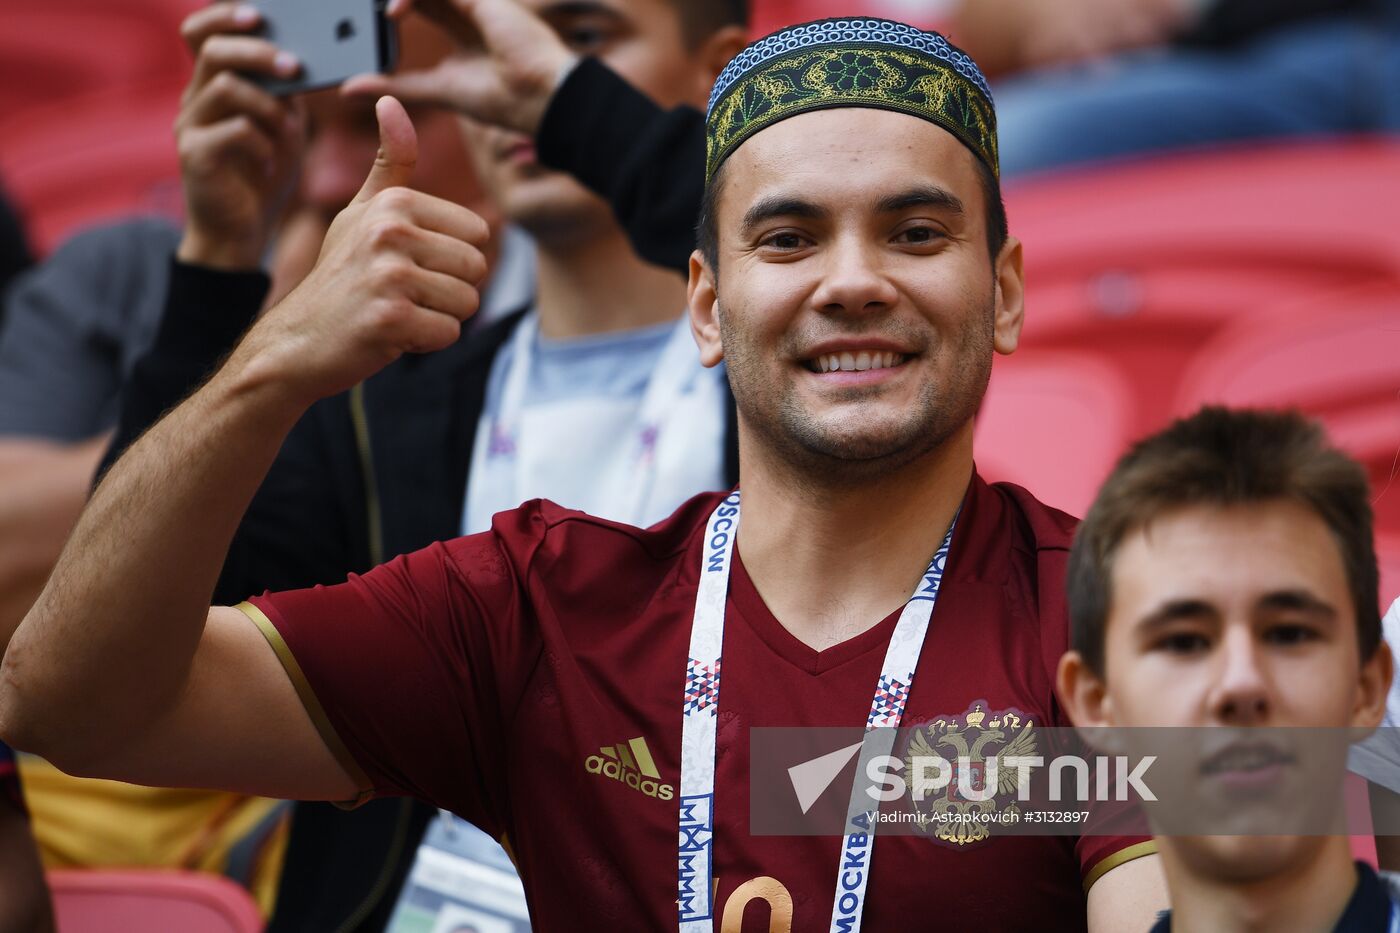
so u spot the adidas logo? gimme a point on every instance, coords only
(630, 763)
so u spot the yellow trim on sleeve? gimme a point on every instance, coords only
(312, 705)
(1122, 856)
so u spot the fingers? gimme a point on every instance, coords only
(428, 330)
(398, 231)
(435, 86)
(228, 95)
(240, 54)
(444, 294)
(235, 137)
(455, 17)
(217, 18)
(398, 150)
(443, 254)
(448, 218)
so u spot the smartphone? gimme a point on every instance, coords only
(333, 39)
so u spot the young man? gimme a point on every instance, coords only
(857, 283)
(1226, 576)
(592, 396)
(77, 325)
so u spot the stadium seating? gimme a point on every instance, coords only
(1144, 262)
(1053, 422)
(130, 901)
(50, 52)
(84, 159)
(1335, 356)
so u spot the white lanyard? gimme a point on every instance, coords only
(496, 481)
(695, 854)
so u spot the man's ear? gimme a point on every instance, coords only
(1082, 692)
(1374, 688)
(1010, 297)
(703, 301)
(715, 52)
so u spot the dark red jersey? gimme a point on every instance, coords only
(530, 679)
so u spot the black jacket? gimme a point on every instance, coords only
(382, 470)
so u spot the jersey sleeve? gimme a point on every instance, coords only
(410, 670)
(1098, 855)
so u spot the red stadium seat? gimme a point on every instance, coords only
(1335, 357)
(132, 901)
(1145, 261)
(92, 158)
(1055, 423)
(52, 51)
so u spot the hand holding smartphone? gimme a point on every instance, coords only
(333, 40)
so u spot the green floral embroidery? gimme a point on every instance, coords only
(853, 71)
(873, 76)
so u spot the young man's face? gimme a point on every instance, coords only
(856, 237)
(644, 42)
(1237, 616)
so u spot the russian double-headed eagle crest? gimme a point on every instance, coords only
(970, 741)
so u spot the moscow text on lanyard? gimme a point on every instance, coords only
(695, 854)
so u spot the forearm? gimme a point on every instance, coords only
(110, 640)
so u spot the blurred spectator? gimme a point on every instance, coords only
(384, 470)
(77, 324)
(1225, 580)
(1095, 79)
(71, 328)
(24, 898)
(14, 248)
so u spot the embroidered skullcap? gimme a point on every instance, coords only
(850, 63)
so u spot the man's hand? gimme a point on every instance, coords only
(398, 273)
(240, 147)
(508, 64)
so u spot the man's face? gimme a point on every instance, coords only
(1233, 617)
(642, 40)
(1241, 617)
(857, 306)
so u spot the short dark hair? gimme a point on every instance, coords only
(707, 231)
(702, 18)
(1220, 457)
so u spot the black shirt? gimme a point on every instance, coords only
(1370, 909)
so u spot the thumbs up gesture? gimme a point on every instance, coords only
(398, 273)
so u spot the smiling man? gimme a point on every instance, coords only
(856, 277)
(1226, 576)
